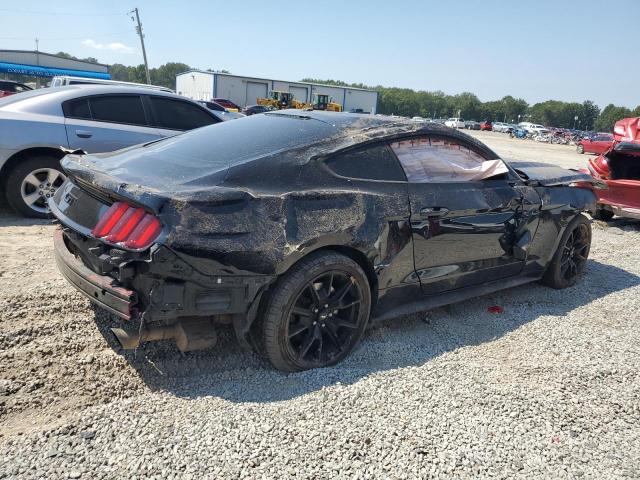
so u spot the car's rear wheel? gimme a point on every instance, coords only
(571, 257)
(316, 313)
(580, 148)
(32, 183)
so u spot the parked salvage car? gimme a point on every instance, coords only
(301, 228)
(220, 112)
(471, 125)
(228, 104)
(9, 87)
(533, 127)
(502, 127)
(255, 109)
(597, 144)
(486, 125)
(94, 118)
(455, 123)
(619, 168)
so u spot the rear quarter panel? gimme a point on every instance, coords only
(560, 205)
(19, 131)
(254, 229)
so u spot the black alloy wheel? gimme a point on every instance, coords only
(574, 252)
(324, 317)
(316, 313)
(571, 256)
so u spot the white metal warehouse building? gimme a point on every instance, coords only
(244, 91)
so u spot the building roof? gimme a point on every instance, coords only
(275, 80)
(49, 60)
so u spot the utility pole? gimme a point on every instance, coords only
(37, 60)
(139, 32)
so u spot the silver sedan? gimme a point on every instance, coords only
(36, 127)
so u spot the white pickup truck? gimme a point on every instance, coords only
(455, 123)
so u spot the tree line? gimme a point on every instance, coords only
(410, 103)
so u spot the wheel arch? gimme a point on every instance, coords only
(348, 251)
(22, 155)
(248, 327)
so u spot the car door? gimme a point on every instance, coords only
(467, 213)
(374, 173)
(172, 116)
(601, 144)
(103, 123)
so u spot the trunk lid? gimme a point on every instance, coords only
(627, 130)
(547, 175)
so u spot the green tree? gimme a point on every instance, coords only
(165, 75)
(71, 57)
(610, 115)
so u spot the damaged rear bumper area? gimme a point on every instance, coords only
(171, 299)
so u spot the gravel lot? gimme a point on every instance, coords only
(548, 389)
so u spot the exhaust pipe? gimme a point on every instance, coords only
(188, 335)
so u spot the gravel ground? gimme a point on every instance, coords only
(550, 388)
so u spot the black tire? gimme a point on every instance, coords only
(602, 214)
(580, 148)
(323, 329)
(569, 261)
(20, 172)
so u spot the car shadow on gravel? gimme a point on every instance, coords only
(231, 373)
(8, 218)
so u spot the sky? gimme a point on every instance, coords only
(569, 50)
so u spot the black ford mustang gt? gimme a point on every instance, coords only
(301, 228)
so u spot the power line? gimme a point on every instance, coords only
(74, 14)
(88, 35)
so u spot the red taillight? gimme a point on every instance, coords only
(133, 227)
(146, 231)
(601, 166)
(125, 225)
(109, 219)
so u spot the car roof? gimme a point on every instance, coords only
(42, 100)
(363, 127)
(275, 139)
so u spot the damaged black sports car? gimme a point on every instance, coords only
(300, 229)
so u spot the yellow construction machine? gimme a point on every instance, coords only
(280, 100)
(323, 102)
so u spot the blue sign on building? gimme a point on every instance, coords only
(37, 71)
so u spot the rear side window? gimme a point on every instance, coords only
(214, 106)
(178, 115)
(442, 160)
(373, 163)
(118, 109)
(78, 108)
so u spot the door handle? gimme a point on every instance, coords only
(84, 133)
(434, 211)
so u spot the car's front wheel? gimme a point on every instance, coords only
(570, 259)
(32, 183)
(580, 148)
(316, 313)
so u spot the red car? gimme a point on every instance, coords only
(597, 144)
(619, 168)
(228, 104)
(486, 125)
(8, 87)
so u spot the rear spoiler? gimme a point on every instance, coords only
(107, 188)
